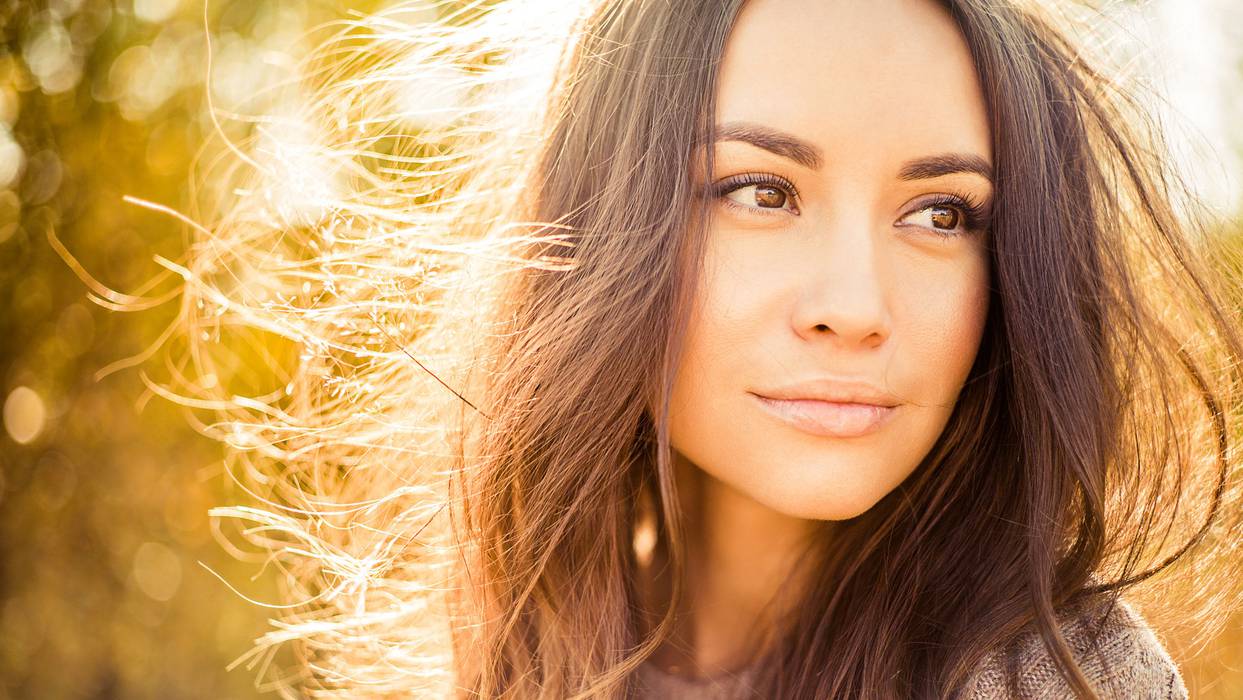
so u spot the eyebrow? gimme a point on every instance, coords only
(796, 149)
(772, 140)
(946, 164)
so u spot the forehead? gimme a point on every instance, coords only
(868, 82)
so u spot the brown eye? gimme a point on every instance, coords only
(948, 216)
(943, 217)
(769, 196)
(761, 196)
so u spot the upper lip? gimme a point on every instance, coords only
(833, 390)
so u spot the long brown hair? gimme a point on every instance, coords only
(477, 426)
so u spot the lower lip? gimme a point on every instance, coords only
(827, 418)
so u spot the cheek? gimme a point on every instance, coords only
(939, 318)
(939, 321)
(727, 329)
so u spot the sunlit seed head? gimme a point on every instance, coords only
(430, 97)
(303, 183)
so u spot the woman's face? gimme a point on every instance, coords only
(845, 283)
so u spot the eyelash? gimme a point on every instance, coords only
(738, 182)
(975, 213)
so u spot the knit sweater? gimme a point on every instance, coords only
(1128, 662)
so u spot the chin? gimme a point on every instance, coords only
(819, 498)
(824, 508)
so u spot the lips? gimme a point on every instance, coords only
(841, 419)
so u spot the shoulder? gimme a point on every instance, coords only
(1116, 649)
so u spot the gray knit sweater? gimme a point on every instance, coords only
(1129, 662)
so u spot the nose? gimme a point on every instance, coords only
(842, 295)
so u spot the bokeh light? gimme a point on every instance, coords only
(24, 415)
(157, 571)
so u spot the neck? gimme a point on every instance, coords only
(740, 578)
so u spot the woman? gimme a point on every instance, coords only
(785, 348)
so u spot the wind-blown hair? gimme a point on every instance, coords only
(471, 306)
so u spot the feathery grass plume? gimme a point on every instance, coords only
(344, 249)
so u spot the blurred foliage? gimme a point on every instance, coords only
(104, 493)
